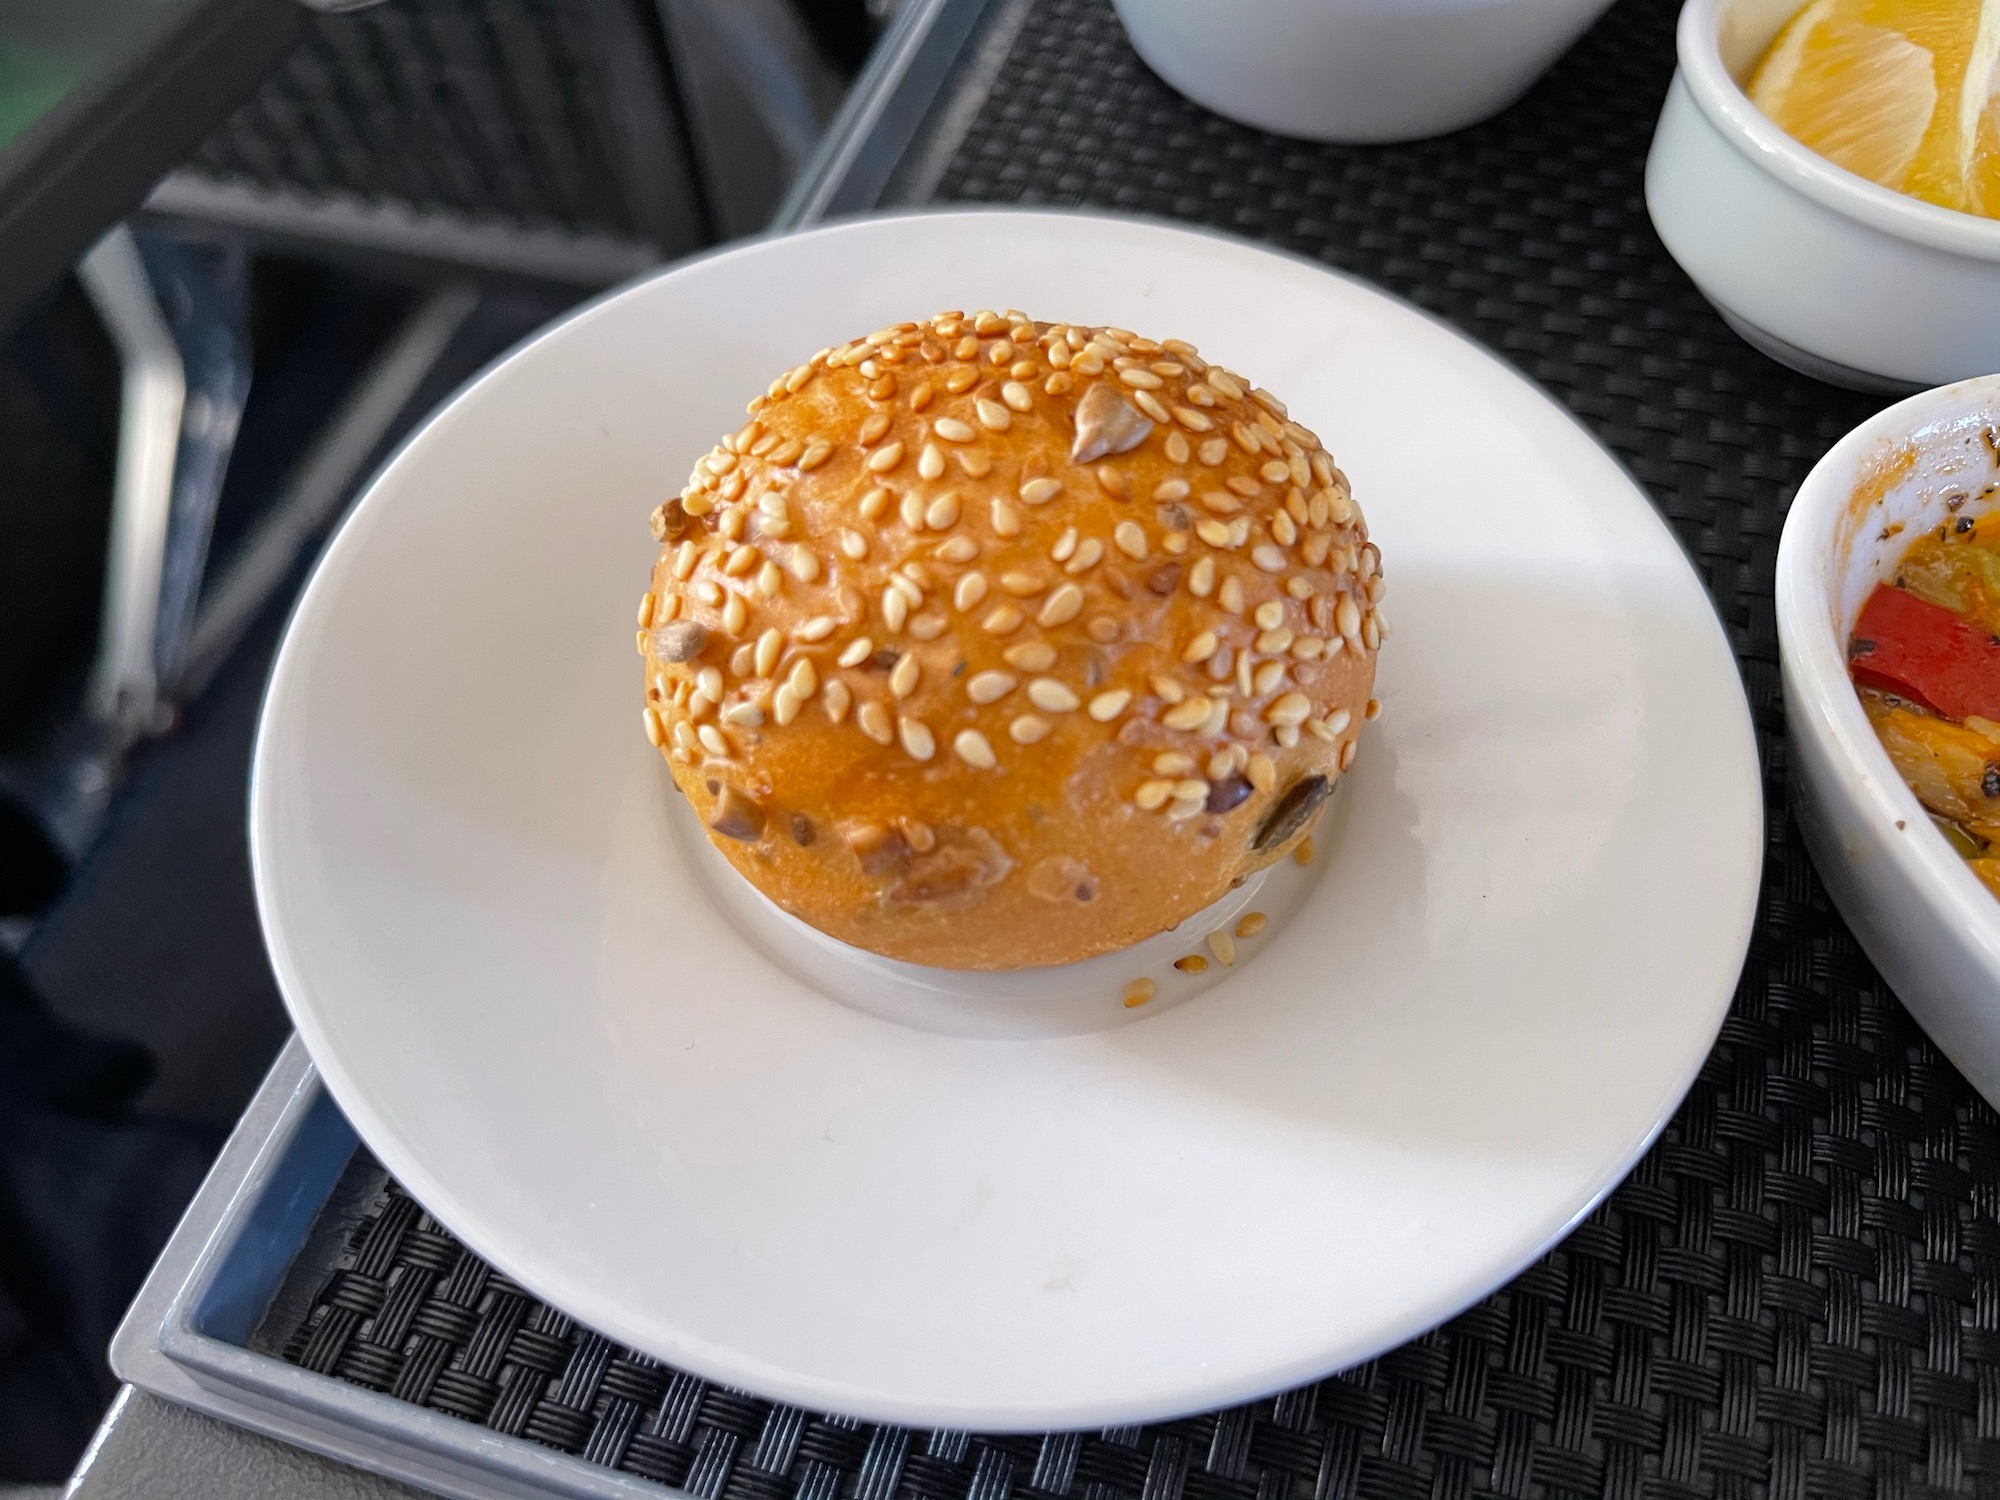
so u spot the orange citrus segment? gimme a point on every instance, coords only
(1898, 91)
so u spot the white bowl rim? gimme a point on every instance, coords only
(1753, 133)
(1826, 704)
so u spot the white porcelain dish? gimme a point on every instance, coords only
(1819, 268)
(1505, 970)
(1355, 70)
(1923, 917)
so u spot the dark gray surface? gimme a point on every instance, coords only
(151, 1449)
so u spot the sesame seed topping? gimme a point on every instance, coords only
(1006, 520)
(853, 545)
(656, 729)
(874, 503)
(1107, 706)
(1130, 538)
(1173, 763)
(1022, 585)
(1171, 489)
(1201, 648)
(1151, 405)
(992, 415)
(1144, 380)
(712, 740)
(769, 580)
(952, 430)
(1267, 677)
(895, 608)
(817, 453)
(805, 564)
(856, 652)
(974, 749)
(960, 549)
(930, 462)
(874, 427)
(837, 698)
(1065, 545)
(969, 591)
(1214, 532)
(1152, 795)
(875, 722)
(1347, 753)
(1291, 710)
(1062, 606)
(1016, 395)
(735, 614)
(1040, 491)
(1268, 557)
(1187, 714)
(1087, 556)
(903, 678)
(1177, 448)
(1056, 697)
(1230, 596)
(707, 591)
(1002, 620)
(882, 460)
(942, 513)
(1262, 773)
(989, 687)
(1030, 656)
(1347, 617)
(1028, 729)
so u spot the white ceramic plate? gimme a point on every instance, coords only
(1508, 968)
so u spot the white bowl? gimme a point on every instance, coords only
(1354, 70)
(1817, 267)
(1924, 918)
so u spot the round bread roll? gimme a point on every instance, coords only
(989, 643)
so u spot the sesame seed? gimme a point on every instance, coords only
(989, 687)
(1191, 963)
(707, 591)
(1016, 395)
(646, 605)
(960, 549)
(804, 679)
(1283, 531)
(928, 627)
(1371, 633)
(1299, 587)
(1173, 763)
(1151, 405)
(903, 678)
(1130, 538)
(1319, 730)
(853, 545)
(1201, 577)
(785, 704)
(1191, 419)
(1107, 706)
(1230, 596)
(1201, 648)
(1030, 656)
(992, 415)
(1262, 773)
(856, 652)
(656, 729)
(1214, 451)
(1276, 471)
(1040, 491)
(952, 430)
(961, 380)
(685, 557)
(875, 722)
(1347, 752)
(1028, 729)
(1022, 585)
(1274, 642)
(873, 429)
(805, 564)
(1292, 709)
(882, 460)
(1177, 448)
(1303, 855)
(930, 462)
(1102, 629)
(769, 580)
(974, 749)
(1088, 556)
(769, 645)
(1186, 714)
(874, 503)
(1212, 531)
(1002, 620)
(1223, 946)
(942, 514)
(1006, 520)
(685, 740)
(817, 453)
(1171, 489)
(1142, 380)
(741, 561)
(1056, 697)
(1245, 678)
(1062, 606)
(895, 608)
(712, 740)
(709, 679)
(1089, 362)
(1166, 689)
(1138, 992)
(1065, 545)
(1152, 795)
(970, 590)
(1268, 676)
(1347, 617)
(1269, 615)
(735, 615)
(836, 697)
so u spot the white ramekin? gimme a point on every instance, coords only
(1817, 267)
(1354, 70)
(1924, 918)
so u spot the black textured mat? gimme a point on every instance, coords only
(1797, 1294)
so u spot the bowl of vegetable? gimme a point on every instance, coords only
(1888, 603)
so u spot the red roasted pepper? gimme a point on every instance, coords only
(1922, 651)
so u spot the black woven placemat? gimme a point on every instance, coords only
(1797, 1293)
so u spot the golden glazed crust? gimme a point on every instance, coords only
(989, 643)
